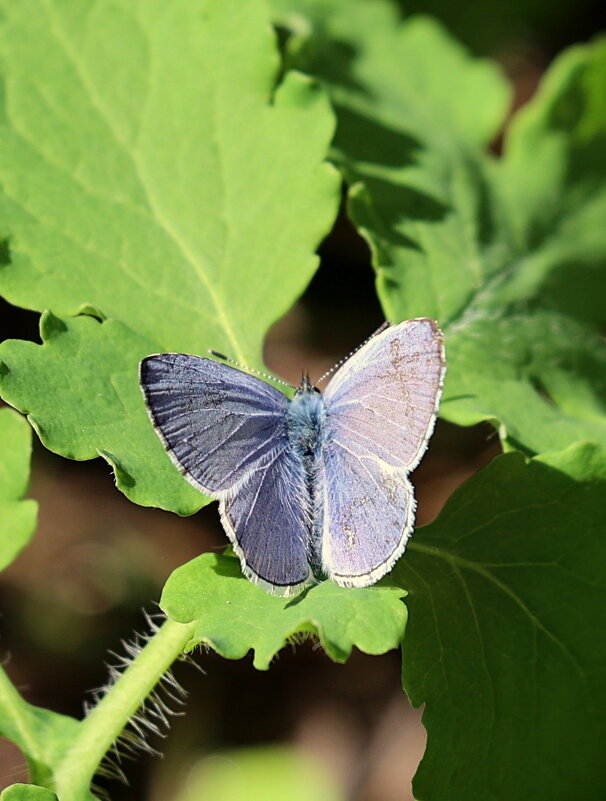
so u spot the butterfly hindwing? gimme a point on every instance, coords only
(268, 523)
(368, 517)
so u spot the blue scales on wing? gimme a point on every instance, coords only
(225, 430)
(380, 412)
(268, 522)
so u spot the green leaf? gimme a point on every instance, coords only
(96, 407)
(526, 351)
(17, 516)
(26, 792)
(42, 735)
(553, 179)
(542, 376)
(353, 45)
(501, 254)
(233, 615)
(413, 107)
(268, 773)
(504, 643)
(176, 190)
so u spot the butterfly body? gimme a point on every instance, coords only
(306, 430)
(312, 486)
(305, 423)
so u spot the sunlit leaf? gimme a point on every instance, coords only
(234, 616)
(153, 173)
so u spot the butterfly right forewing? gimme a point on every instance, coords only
(384, 399)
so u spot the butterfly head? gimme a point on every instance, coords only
(306, 385)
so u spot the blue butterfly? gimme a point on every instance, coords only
(313, 486)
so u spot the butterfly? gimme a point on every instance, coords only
(315, 485)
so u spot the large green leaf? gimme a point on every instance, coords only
(542, 375)
(234, 616)
(526, 347)
(152, 173)
(17, 516)
(502, 254)
(553, 177)
(413, 107)
(504, 643)
(355, 44)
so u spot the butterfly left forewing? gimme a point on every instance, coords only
(217, 423)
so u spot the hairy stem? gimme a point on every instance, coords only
(102, 726)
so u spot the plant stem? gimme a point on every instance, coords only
(101, 727)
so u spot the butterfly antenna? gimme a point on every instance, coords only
(336, 366)
(249, 369)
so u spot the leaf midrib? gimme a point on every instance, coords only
(155, 208)
(455, 562)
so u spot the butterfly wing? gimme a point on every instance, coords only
(225, 430)
(368, 517)
(385, 398)
(380, 411)
(268, 523)
(217, 423)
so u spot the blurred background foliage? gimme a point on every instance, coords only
(97, 560)
(502, 29)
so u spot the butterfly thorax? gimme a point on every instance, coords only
(305, 422)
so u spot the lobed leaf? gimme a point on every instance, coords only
(17, 516)
(502, 254)
(96, 407)
(152, 173)
(504, 645)
(530, 336)
(233, 616)
(413, 109)
(552, 177)
(541, 376)
(353, 45)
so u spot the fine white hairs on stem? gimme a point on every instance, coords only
(154, 714)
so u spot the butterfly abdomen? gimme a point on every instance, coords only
(305, 421)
